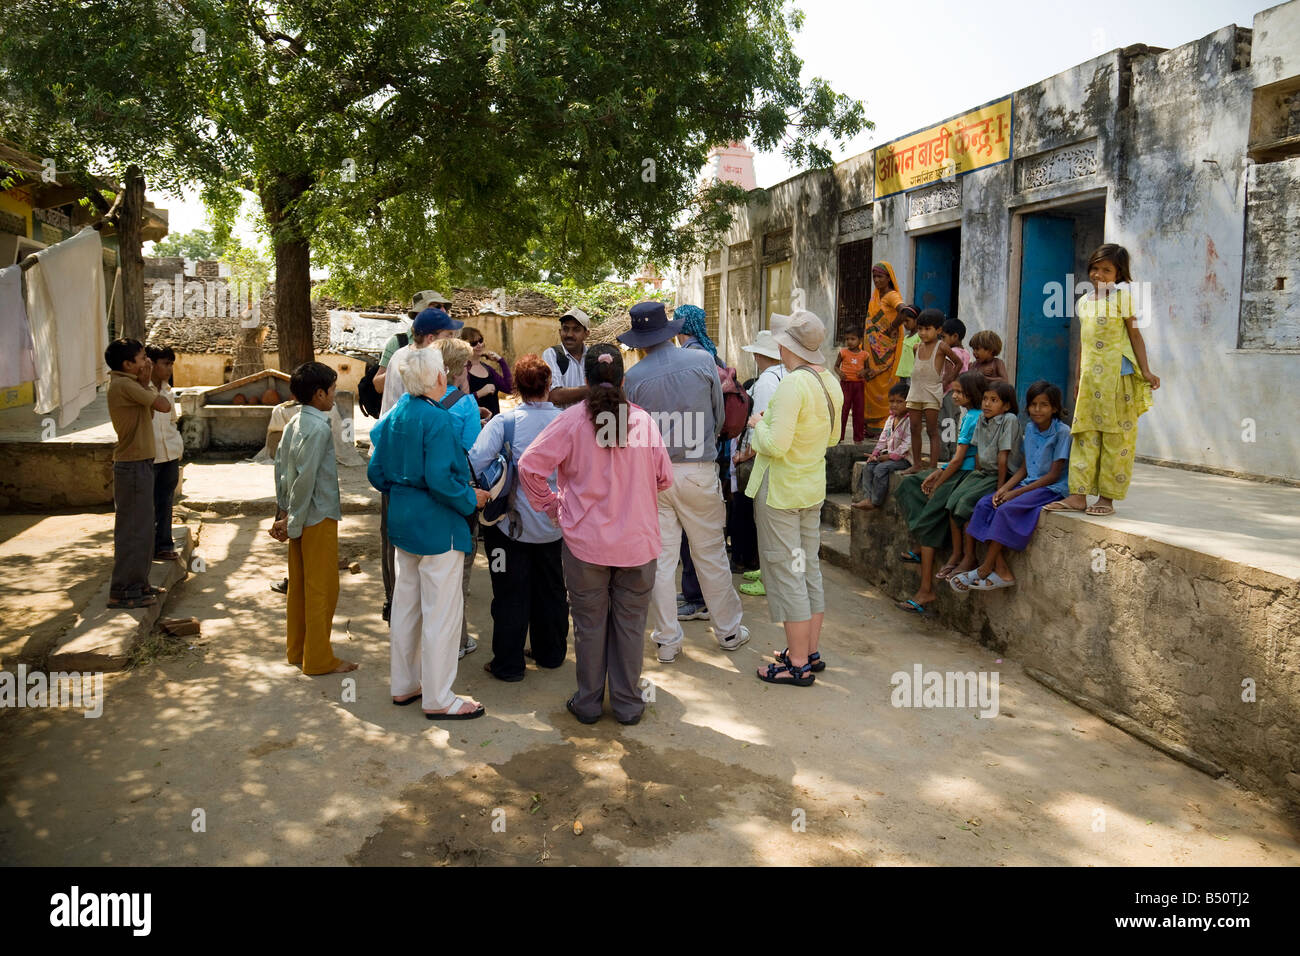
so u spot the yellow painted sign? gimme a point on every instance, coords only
(971, 141)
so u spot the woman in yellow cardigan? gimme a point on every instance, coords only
(788, 485)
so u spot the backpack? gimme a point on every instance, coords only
(737, 405)
(561, 358)
(499, 478)
(370, 398)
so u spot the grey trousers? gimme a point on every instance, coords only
(609, 607)
(875, 478)
(133, 528)
(387, 547)
(789, 547)
(464, 590)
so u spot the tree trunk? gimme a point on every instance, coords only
(130, 225)
(292, 269)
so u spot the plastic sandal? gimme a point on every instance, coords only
(799, 676)
(911, 607)
(815, 661)
(910, 557)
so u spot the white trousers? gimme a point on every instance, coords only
(694, 504)
(424, 626)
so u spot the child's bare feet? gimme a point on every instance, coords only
(865, 504)
(344, 666)
(1104, 506)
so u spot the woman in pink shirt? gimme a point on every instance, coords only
(610, 465)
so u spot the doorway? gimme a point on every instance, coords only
(938, 271)
(1054, 251)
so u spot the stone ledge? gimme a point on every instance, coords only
(1158, 632)
(102, 639)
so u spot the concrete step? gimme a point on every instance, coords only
(837, 512)
(835, 547)
(102, 639)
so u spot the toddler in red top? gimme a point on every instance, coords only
(850, 365)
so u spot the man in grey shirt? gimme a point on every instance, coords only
(681, 391)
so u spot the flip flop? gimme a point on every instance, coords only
(1059, 506)
(945, 572)
(911, 607)
(991, 583)
(910, 557)
(410, 700)
(459, 714)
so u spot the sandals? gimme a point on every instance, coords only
(910, 557)
(912, 607)
(1099, 511)
(410, 700)
(457, 712)
(945, 572)
(991, 583)
(799, 676)
(814, 660)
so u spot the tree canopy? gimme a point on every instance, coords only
(412, 140)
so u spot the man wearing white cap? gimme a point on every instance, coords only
(428, 299)
(568, 381)
(744, 535)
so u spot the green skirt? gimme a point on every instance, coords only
(974, 486)
(927, 518)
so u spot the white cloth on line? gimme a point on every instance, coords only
(17, 364)
(65, 305)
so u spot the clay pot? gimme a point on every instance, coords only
(239, 400)
(270, 397)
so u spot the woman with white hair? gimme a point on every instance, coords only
(417, 460)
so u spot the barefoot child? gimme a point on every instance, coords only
(997, 442)
(849, 365)
(1007, 518)
(987, 345)
(307, 516)
(891, 451)
(924, 500)
(1114, 387)
(907, 355)
(925, 393)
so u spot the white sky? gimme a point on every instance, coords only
(913, 65)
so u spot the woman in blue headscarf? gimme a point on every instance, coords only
(695, 333)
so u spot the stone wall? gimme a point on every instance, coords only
(45, 476)
(1161, 633)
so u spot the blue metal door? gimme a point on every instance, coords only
(935, 279)
(1043, 337)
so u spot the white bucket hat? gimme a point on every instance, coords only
(764, 345)
(578, 316)
(802, 333)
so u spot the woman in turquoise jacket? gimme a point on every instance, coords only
(417, 460)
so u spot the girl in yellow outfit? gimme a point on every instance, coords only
(1114, 387)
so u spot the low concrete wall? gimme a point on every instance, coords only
(1164, 634)
(46, 476)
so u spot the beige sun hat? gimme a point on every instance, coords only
(802, 333)
(764, 345)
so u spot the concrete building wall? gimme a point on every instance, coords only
(1145, 148)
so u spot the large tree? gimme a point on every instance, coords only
(467, 138)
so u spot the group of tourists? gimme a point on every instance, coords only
(590, 490)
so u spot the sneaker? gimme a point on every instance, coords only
(668, 652)
(469, 648)
(753, 589)
(754, 575)
(692, 612)
(735, 640)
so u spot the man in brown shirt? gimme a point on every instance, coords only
(132, 400)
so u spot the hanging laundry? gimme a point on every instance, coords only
(17, 364)
(65, 306)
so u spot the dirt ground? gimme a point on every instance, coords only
(216, 752)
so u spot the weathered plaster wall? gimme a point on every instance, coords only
(1275, 47)
(1179, 208)
(1270, 316)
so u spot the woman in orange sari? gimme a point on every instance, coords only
(883, 342)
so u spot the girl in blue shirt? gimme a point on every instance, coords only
(1008, 517)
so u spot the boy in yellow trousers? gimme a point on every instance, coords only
(307, 499)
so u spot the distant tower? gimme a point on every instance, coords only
(733, 163)
(650, 276)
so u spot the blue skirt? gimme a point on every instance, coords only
(1013, 522)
